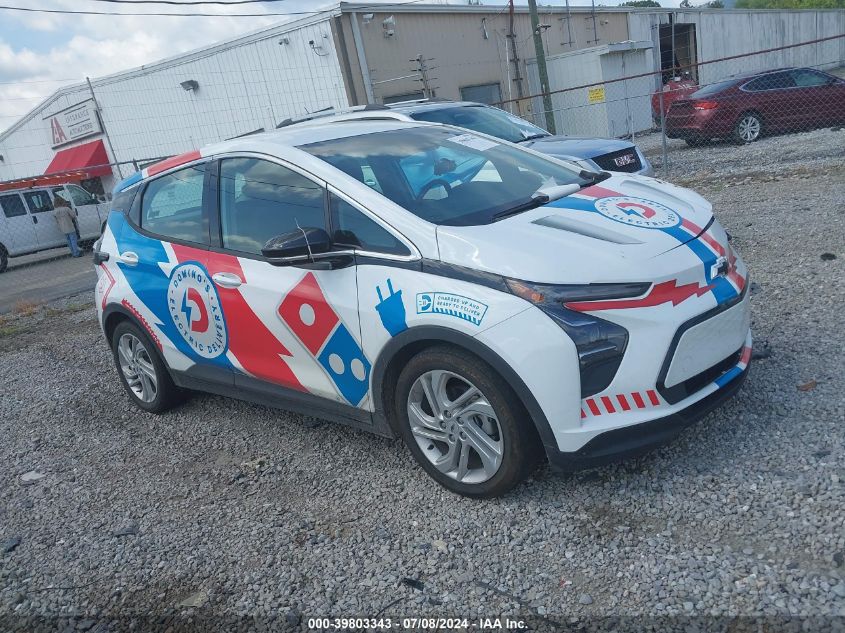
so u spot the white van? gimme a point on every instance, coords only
(27, 224)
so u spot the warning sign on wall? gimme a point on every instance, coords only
(595, 95)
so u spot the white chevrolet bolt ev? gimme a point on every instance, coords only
(483, 302)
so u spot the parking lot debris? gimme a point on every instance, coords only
(32, 477)
(827, 257)
(585, 598)
(808, 386)
(195, 600)
(440, 546)
(10, 544)
(130, 529)
(413, 583)
(762, 349)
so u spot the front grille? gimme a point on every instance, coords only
(629, 158)
(690, 386)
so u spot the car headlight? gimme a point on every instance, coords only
(600, 344)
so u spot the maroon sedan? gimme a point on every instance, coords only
(745, 107)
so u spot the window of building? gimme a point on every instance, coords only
(260, 200)
(172, 206)
(353, 228)
(38, 201)
(12, 206)
(407, 96)
(484, 93)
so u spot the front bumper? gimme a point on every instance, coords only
(631, 441)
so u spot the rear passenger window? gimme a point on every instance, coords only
(12, 206)
(353, 228)
(260, 200)
(38, 201)
(172, 206)
(774, 81)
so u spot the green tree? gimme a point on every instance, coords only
(640, 3)
(790, 4)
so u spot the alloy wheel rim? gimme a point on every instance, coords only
(137, 367)
(749, 128)
(455, 426)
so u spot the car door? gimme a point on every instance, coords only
(18, 231)
(292, 328)
(165, 262)
(87, 209)
(818, 95)
(47, 232)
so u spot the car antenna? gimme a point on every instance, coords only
(307, 243)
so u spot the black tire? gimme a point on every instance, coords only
(168, 395)
(4, 258)
(521, 448)
(748, 128)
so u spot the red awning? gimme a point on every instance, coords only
(90, 158)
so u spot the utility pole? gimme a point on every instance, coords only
(517, 77)
(540, 52)
(103, 125)
(423, 71)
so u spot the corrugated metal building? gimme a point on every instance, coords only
(352, 54)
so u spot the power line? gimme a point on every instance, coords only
(187, 2)
(198, 15)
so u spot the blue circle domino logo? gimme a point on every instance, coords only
(195, 309)
(638, 212)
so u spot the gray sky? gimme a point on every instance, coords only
(40, 52)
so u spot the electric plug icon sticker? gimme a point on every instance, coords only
(391, 310)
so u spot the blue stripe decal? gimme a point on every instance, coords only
(728, 376)
(149, 282)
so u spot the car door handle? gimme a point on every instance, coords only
(226, 280)
(35, 219)
(129, 258)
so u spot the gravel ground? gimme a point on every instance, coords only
(228, 515)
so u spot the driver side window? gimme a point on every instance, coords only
(260, 200)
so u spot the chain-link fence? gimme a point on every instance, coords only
(48, 224)
(740, 99)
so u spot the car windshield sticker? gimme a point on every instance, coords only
(473, 142)
(195, 309)
(452, 305)
(391, 310)
(645, 214)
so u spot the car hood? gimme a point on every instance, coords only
(576, 146)
(611, 232)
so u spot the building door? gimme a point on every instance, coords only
(18, 231)
(47, 231)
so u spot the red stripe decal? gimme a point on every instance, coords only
(599, 192)
(593, 408)
(110, 285)
(652, 395)
(638, 400)
(720, 250)
(173, 161)
(692, 227)
(746, 354)
(143, 321)
(623, 402)
(255, 347)
(608, 404)
(583, 415)
(659, 293)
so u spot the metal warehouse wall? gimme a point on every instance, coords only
(461, 55)
(735, 32)
(250, 83)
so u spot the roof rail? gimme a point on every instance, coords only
(330, 111)
(413, 101)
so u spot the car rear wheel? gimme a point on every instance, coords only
(4, 258)
(463, 423)
(142, 371)
(748, 128)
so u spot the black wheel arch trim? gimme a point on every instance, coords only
(440, 335)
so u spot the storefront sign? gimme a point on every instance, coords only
(74, 123)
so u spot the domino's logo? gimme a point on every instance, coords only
(638, 212)
(318, 327)
(195, 309)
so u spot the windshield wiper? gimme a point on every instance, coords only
(593, 177)
(532, 137)
(536, 200)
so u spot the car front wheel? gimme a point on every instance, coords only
(142, 371)
(463, 423)
(748, 128)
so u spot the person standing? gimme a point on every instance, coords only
(65, 217)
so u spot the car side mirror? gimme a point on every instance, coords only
(297, 247)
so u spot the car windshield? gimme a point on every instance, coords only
(443, 176)
(484, 119)
(712, 89)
